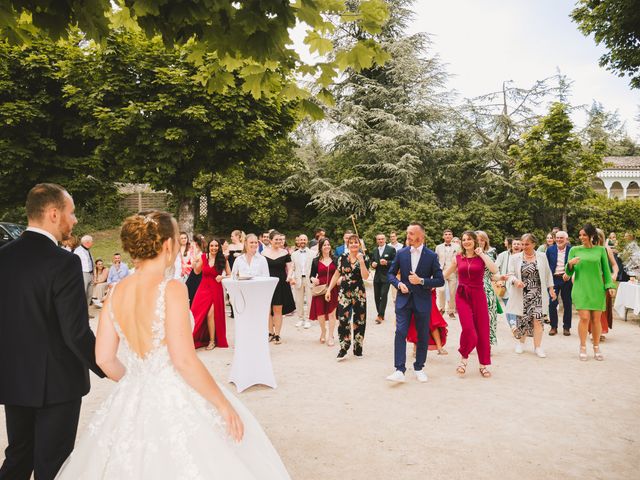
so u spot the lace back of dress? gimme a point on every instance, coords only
(157, 325)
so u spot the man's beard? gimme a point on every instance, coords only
(65, 230)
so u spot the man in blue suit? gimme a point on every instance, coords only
(557, 256)
(419, 272)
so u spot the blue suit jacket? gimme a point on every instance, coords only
(428, 268)
(552, 256)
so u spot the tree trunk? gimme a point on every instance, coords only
(564, 220)
(186, 215)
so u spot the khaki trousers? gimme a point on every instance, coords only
(452, 283)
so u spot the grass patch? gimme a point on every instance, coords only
(106, 243)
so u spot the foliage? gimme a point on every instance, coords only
(606, 131)
(616, 24)
(553, 162)
(153, 123)
(383, 114)
(40, 135)
(247, 39)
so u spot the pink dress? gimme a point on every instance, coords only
(319, 306)
(473, 310)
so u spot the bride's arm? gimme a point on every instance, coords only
(183, 355)
(107, 345)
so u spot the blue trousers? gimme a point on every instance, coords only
(403, 319)
(563, 289)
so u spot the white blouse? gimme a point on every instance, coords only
(257, 268)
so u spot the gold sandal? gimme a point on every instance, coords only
(461, 369)
(484, 371)
(211, 346)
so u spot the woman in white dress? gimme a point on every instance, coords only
(167, 418)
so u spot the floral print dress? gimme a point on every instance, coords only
(492, 301)
(531, 300)
(352, 301)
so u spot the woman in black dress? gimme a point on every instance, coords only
(279, 262)
(193, 280)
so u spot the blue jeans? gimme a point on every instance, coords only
(511, 317)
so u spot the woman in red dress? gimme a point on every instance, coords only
(210, 328)
(437, 329)
(322, 269)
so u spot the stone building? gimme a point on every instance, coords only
(620, 178)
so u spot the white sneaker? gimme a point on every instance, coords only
(421, 376)
(397, 376)
(307, 324)
(540, 352)
(299, 323)
(519, 348)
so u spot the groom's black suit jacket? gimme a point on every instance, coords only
(46, 345)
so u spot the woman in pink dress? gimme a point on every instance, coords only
(322, 269)
(471, 301)
(437, 329)
(210, 328)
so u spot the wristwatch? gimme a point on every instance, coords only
(422, 282)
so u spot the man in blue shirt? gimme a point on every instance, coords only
(343, 248)
(118, 270)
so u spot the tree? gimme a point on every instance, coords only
(616, 24)
(248, 38)
(384, 115)
(152, 122)
(40, 135)
(555, 165)
(605, 130)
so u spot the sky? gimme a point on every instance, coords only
(485, 42)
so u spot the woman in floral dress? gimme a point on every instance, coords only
(492, 299)
(353, 268)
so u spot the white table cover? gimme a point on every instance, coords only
(251, 301)
(627, 296)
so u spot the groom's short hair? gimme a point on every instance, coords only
(42, 196)
(417, 224)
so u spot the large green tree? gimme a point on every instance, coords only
(557, 167)
(616, 25)
(41, 136)
(153, 122)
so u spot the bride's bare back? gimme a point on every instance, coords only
(133, 303)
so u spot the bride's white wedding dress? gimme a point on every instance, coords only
(155, 426)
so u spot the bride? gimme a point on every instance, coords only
(167, 418)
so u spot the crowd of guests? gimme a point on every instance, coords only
(526, 282)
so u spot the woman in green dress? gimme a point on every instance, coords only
(589, 266)
(492, 298)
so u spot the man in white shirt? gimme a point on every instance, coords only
(84, 252)
(393, 241)
(301, 285)
(557, 256)
(446, 252)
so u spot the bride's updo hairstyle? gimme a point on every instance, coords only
(142, 235)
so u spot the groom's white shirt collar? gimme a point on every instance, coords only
(43, 232)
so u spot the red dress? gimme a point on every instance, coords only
(319, 306)
(437, 322)
(209, 293)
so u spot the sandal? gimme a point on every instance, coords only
(442, 351)
(276, 339)
(330, 342)
(583, 354)
(484, 371)
(461, 369)
(322, 338)
(211, 346)
(597, 354)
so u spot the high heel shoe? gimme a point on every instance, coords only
(583, 354)
(211, 346)
(597, 354)
(323, 337)
(331, 342)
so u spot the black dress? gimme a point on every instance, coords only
(192, 283)
(283, 295)
(233, 254)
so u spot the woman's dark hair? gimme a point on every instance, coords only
(474, 236)
(321, 243)
(591, 232)
(201, 242)
(220, 261)
(273, 234)
(188, 245)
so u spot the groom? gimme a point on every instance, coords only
(419, 273)
(46, 345)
